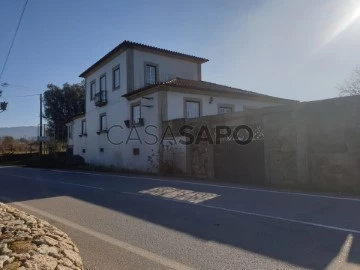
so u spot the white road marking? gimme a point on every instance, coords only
(319, 225)
(16, 175)
(79, 185)
(126, 246)
(56, 181)
(216, 185)
(12, 166)
(234, 210)
(283, 219)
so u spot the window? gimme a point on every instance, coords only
(116, 77)
(135, 113)
(103, 124)
(136, 151)
(103, 83)
(225, 109)
(150, 74)
(92, 89)
(83, 127)
(70, 132)
(192, 108)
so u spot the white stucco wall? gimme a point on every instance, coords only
(120, 156)
(114, 96)
(118, 109)
(74, 139)
(175, 103)
(169, 68)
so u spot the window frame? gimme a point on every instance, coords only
(83, 127)
(228, 106)
(92, 93)
(101, 127)
(102, 76)
(192, 100)
(133, 105)
(156, 66)
(116, 68)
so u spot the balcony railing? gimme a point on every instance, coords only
(101, 98)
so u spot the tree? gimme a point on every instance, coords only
(7, 144)
(61, 105)
(351, 86)
(3, 104)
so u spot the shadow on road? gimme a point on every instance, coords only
(297, 244)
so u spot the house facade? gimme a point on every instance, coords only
(132, 90)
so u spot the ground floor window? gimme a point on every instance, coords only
(192, 108)
(83, 127)
(135, 113)
(225, 109)
(103, 122)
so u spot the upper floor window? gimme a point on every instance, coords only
(83, 127)
(116, 77)
(192, 108)
(225, 109)
(150, 74)
(92, 89)
(135, 113)
(103, 82)
(103, 122)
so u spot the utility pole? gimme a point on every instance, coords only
(41, 127)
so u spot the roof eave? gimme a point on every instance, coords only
(127, 44)
(138, 93)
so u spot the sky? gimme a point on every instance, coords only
(296, 49)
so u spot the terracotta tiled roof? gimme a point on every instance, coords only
(130, 44)
(202, 85)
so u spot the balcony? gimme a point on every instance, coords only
(101, 98)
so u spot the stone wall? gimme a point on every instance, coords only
(27, 242)
(314, 144)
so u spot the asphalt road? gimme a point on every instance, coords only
(140, 222)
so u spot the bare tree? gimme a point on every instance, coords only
(351, 86)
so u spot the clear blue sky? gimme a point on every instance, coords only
(291, 49)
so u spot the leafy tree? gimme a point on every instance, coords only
(3, 104)
(62, 104)
(351, 86)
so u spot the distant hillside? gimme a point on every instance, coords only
(20, 132)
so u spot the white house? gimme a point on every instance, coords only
(137, 85)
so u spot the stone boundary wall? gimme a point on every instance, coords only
(27, 242)
(312, 144)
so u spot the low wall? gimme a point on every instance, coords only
(27, 242)
(311, 144)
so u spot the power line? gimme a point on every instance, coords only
(14, 37)
(20, 87)
(5, 84)
(22, 96)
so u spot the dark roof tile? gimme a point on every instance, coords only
(203, 85)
